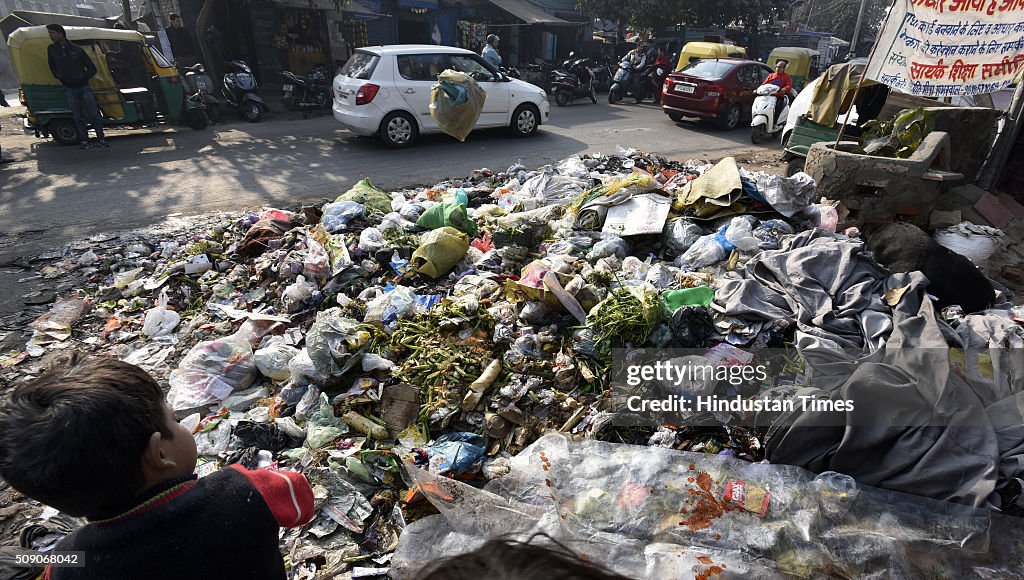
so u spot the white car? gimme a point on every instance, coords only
(385, 91)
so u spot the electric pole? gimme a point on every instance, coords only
(856, 29)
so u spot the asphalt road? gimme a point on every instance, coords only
(53, 194)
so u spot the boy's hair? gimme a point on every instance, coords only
(174, 17)
(57, 28)
(504, 559)
(73, 437)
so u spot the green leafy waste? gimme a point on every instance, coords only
(899, 137)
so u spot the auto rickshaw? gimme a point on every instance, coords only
(694, 51)
(134, 85)
(801, 63)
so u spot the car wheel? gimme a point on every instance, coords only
(64, 132)
(757, 132)
(252, 111)
(525, 120)
(562, 98)
(795, 165)
(676, 117)
(731, 119)
(398, 130)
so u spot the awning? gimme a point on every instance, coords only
(529, 13)
(350, 8)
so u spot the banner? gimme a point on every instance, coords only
(946, 48)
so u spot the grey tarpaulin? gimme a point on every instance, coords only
(917, 427)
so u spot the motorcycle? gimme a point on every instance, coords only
(763, 118)
(602, 73)
(629, 82)
(306, 93)
(200, 87)
(573, 81)
(239, 91)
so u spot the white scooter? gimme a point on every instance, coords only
(762, 114)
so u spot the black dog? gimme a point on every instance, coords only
(953, 279)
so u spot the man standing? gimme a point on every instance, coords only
(70, 65)
(183, 46)
(490, 51)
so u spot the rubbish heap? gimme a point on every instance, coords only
(403, 349)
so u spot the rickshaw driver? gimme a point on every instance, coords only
(70, 65)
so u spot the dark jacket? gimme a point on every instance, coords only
(181, 42)
(222, 526)
(70, 64)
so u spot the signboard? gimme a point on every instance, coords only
(946, 48)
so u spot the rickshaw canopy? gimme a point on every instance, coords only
(833, 95)
(28, 48)
(798, 59)
(701, 50)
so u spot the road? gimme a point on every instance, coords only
(54, 194)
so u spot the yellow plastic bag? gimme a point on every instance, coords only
(439, 251)
(456, 102)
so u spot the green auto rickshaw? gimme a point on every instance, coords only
(135, 85)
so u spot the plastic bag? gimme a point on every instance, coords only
(211, 371)
(547, 189)
(338, 214)
(770, 233)
(447, 214)
(332, 340)
(456, 103)
(439, 251)
(456, 453)
(976, 243)
(672, 300)
(412, 211)
(366, 194)
(371, 240)
(160, 321)
(297, 295)
(573, 167)
(272, 360)
(740, 234)
(609, 247)
(823, 216)
(787, 195)
(680, 234)
(302, 371)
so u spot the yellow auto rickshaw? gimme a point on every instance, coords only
(134, 85)
(694, 51)
(801, 63)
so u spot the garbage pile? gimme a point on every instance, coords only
(386, 344)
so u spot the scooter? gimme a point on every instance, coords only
(200, 87)
(629, 82)
(239, 91)
(510, 71)
(573, 81)
(763, 118)
(306, 93)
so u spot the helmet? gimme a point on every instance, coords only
(491, 38)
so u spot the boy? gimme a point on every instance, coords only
(93, 437)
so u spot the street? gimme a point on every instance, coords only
(54, 194)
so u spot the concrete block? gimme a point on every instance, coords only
(970, 193)
(944, 219)
(990, 208)
(969, 215)
(1011, 205)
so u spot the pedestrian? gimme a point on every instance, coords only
(490, 51)
(183, 46)
(93, 437)
(70, 65)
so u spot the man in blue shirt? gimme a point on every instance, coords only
(490, 51)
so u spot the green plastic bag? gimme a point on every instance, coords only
(447, 214)
(439, 251)
(672, 300)
(365, 193)
(456, 103)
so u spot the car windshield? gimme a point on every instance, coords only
(708, 69)
(360, 66)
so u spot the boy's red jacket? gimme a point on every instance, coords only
(224, 525)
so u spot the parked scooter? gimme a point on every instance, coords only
(763, 117)
(306, 93)
(239, 91)
(573, 81)
(629, 82)
(603, 72)
(510, 71)
(200, 86)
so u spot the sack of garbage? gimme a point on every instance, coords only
(716, 247)
(366, 194)
(211, 371)
(338, 214)
(680, 234)
(439, 251)
(160, 321)
(787, 195)
(447, 214)
(456, 103)
(547, 189)
(975, 242)
(272, 360)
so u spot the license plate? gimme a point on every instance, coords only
(685, 88)
(287, 88)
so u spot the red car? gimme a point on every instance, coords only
(721, 89)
